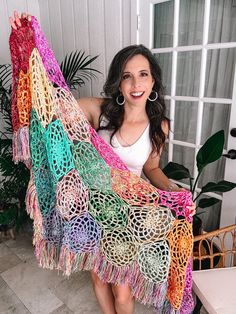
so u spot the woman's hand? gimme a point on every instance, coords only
(15, 21)
(192, 209)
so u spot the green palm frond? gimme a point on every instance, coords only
(76, 69)
(5, 76)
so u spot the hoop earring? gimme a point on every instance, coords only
(120, 102)
(155, 96)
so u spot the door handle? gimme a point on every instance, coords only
(231, 154)
(233, 132)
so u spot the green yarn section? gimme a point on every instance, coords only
(58, 150)
(91, 167)
(45, 187)
(37, 141)
(108, 209)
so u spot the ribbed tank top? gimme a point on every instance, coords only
(134, 156)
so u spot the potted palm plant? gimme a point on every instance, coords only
(210, 152)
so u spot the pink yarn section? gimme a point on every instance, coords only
(47, 55)
(106, 152)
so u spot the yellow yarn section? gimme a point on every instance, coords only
(149, 225)
(52, 103)
(42, 89)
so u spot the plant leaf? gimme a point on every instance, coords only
(75, 68)
(176, 171)
(207, 202)
(221, 186)
(211, 150)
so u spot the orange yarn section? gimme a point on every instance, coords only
(181, 244)
(24, 99)
(133, 189)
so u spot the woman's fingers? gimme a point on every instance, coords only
(192, 209)
(15, 22)
(17, 19)
(12, 23)
(26, 15)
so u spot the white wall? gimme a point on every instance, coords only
(99, 27)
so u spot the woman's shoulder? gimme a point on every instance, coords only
(91, 107)
(90, 101)
(165, 125)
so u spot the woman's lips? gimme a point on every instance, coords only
(137, 94)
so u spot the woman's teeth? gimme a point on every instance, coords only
(137, 94)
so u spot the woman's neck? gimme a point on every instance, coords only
(135, 114)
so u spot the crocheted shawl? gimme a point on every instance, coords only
(90, 212)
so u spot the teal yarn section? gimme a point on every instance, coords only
(108, 209)
(37, 141)
(92, 168)
(46, 188)
(58, 150)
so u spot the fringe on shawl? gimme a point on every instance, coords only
(20, 145)
(52, 257)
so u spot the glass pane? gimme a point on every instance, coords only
(164, 157)
(165, 61)
(163, 24)
(215, 117)
(220, 73)
(210, 216)
(213, 172)
(188, 73)
(167, 102)
(191, 15)
(222, 27)
(184, 156)
(185, 121)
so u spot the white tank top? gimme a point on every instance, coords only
(134, 156)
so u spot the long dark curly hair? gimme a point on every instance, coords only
(114, 113)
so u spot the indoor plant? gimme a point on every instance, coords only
(211, 151)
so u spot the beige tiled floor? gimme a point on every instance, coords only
(26, 288)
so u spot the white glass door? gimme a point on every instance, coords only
(195, 43)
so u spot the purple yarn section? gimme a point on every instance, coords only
(83, 234)
(47, 55)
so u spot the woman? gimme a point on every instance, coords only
(130, 118)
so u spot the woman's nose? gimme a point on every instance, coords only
(136, 81)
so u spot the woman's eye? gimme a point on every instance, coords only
(144, 74)
(125, 76)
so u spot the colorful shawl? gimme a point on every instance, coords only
(90, 212)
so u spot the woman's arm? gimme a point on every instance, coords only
(156, 176)
(154, 173)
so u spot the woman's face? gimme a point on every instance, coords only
(136, 81)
